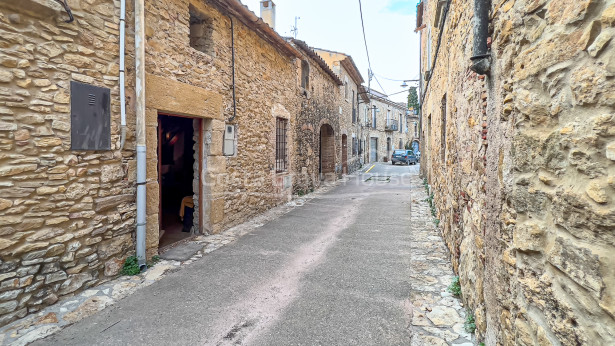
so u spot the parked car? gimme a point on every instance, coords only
(411, 159)
(403, 156)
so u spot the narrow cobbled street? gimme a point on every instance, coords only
(362, 264)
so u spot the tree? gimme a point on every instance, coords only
(413, 99)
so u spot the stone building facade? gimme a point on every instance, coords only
(387, 127)
(521, 165)
(246, 182)
(317, 128)
(343, 65)
(67, 216)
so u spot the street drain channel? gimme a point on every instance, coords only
(379, 178)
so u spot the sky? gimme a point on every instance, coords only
(336, 25)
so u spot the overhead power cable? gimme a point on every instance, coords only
(369, 63)
(399, 92)
(399, 80)
(377, 81)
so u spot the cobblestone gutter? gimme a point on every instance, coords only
(437, 317)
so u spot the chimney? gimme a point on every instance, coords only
(268, 12)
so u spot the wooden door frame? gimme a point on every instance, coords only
(200, 165)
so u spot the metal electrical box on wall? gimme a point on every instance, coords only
(90, 118)
(229, 140)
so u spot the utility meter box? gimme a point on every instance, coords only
(229, 140)
(90, 117)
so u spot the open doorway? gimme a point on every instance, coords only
(177, 173)
(373, 149)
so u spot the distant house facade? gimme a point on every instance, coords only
(388, 127)
(318, 136)
(350, 99)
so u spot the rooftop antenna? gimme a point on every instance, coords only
(295, 29)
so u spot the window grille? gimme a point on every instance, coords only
(281, 161)
(354, 146)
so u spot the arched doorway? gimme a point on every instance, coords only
(327, 151)
(415, 146)
(344, 154)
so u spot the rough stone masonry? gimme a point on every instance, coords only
(521, 164)
(67, 217)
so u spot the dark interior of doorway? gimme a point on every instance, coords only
(176, 163)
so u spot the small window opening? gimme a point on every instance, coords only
(305, 74)
(201, 32)
(354, 110)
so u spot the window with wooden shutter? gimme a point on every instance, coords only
(419, 16)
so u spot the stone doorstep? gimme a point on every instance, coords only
(71, 309)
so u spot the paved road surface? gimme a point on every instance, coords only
(332, 272)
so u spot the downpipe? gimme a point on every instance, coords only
(481, 59)
(233, 68)
(122, 76)
(141, 144)
(141, 202)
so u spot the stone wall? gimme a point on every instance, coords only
(66, 217)
(319, 107)
(348, 101)
(523, 172)
(242, 185)
(345, 69)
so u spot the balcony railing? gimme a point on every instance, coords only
(391, 125)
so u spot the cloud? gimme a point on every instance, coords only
(405, 7)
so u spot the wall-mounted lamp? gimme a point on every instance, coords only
(405, 85)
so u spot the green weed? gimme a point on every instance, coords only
(131, 266)
(470, 324)
(455, 287)
(153, 261)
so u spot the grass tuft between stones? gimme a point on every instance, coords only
(131, 265)
(429, 200)
(455, 287)
(470, 324)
